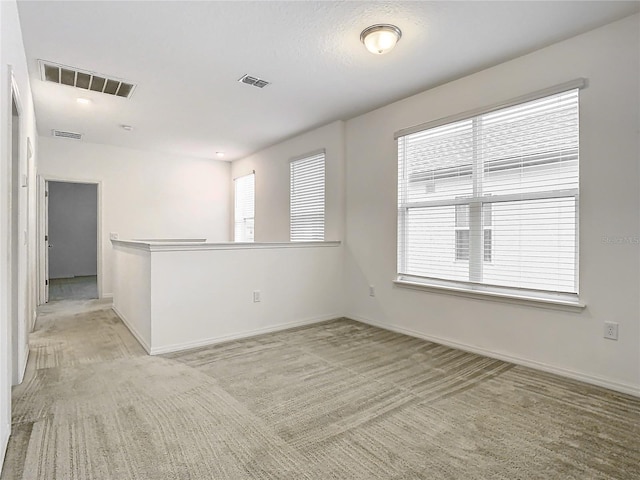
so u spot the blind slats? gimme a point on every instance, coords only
(518, 165)
(307, 198)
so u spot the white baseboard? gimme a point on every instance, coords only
(133, 330)
(177, 347)
(627, 388)
(107, 295)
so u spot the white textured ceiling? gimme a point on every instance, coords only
(186, 58)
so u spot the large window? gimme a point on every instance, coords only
(492, 199)
(307, 198)
(244, 208)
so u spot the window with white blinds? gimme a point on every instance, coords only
(492, 199)
(244, 207)
(307, 198)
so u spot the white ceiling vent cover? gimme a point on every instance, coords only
(255, 81)
(74, 77)
(63, 134)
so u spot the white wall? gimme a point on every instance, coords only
(132, 291)
(569, 343)
(203, 294)
(73, 229)
(12, 60)
(272, 182)
(144, 194)
(203, 297)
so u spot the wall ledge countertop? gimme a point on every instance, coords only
(186, 244)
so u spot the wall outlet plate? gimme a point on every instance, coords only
(611, 330)
(256, 296)
(113, 236)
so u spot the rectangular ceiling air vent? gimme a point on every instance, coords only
(63, 134)
(255, 81)
(74, 77)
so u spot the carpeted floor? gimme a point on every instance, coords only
(337, 400)
(74, 288)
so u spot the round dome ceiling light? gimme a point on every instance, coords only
(381, 38)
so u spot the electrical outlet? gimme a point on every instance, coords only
(372, 291)
(611, 330)
(256, 296)
(113, 236)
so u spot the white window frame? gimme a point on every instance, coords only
(305, 203)
(487, 227)
(242, 225)
(545, 299)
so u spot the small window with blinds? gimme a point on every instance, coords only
(491, 200)
(307, 182)
(244, 208)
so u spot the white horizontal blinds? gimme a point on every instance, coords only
(244, 208)
(307, 198)
(492, 199)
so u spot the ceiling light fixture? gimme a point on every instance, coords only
(219, 154)
(381, 38)
(83, 101)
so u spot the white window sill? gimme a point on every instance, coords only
(568, 303)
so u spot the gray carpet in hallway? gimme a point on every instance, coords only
(337, 400)
(74, 288)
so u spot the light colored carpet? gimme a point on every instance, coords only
(337, 400)
(75, 288)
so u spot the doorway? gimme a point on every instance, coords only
(72, 240)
